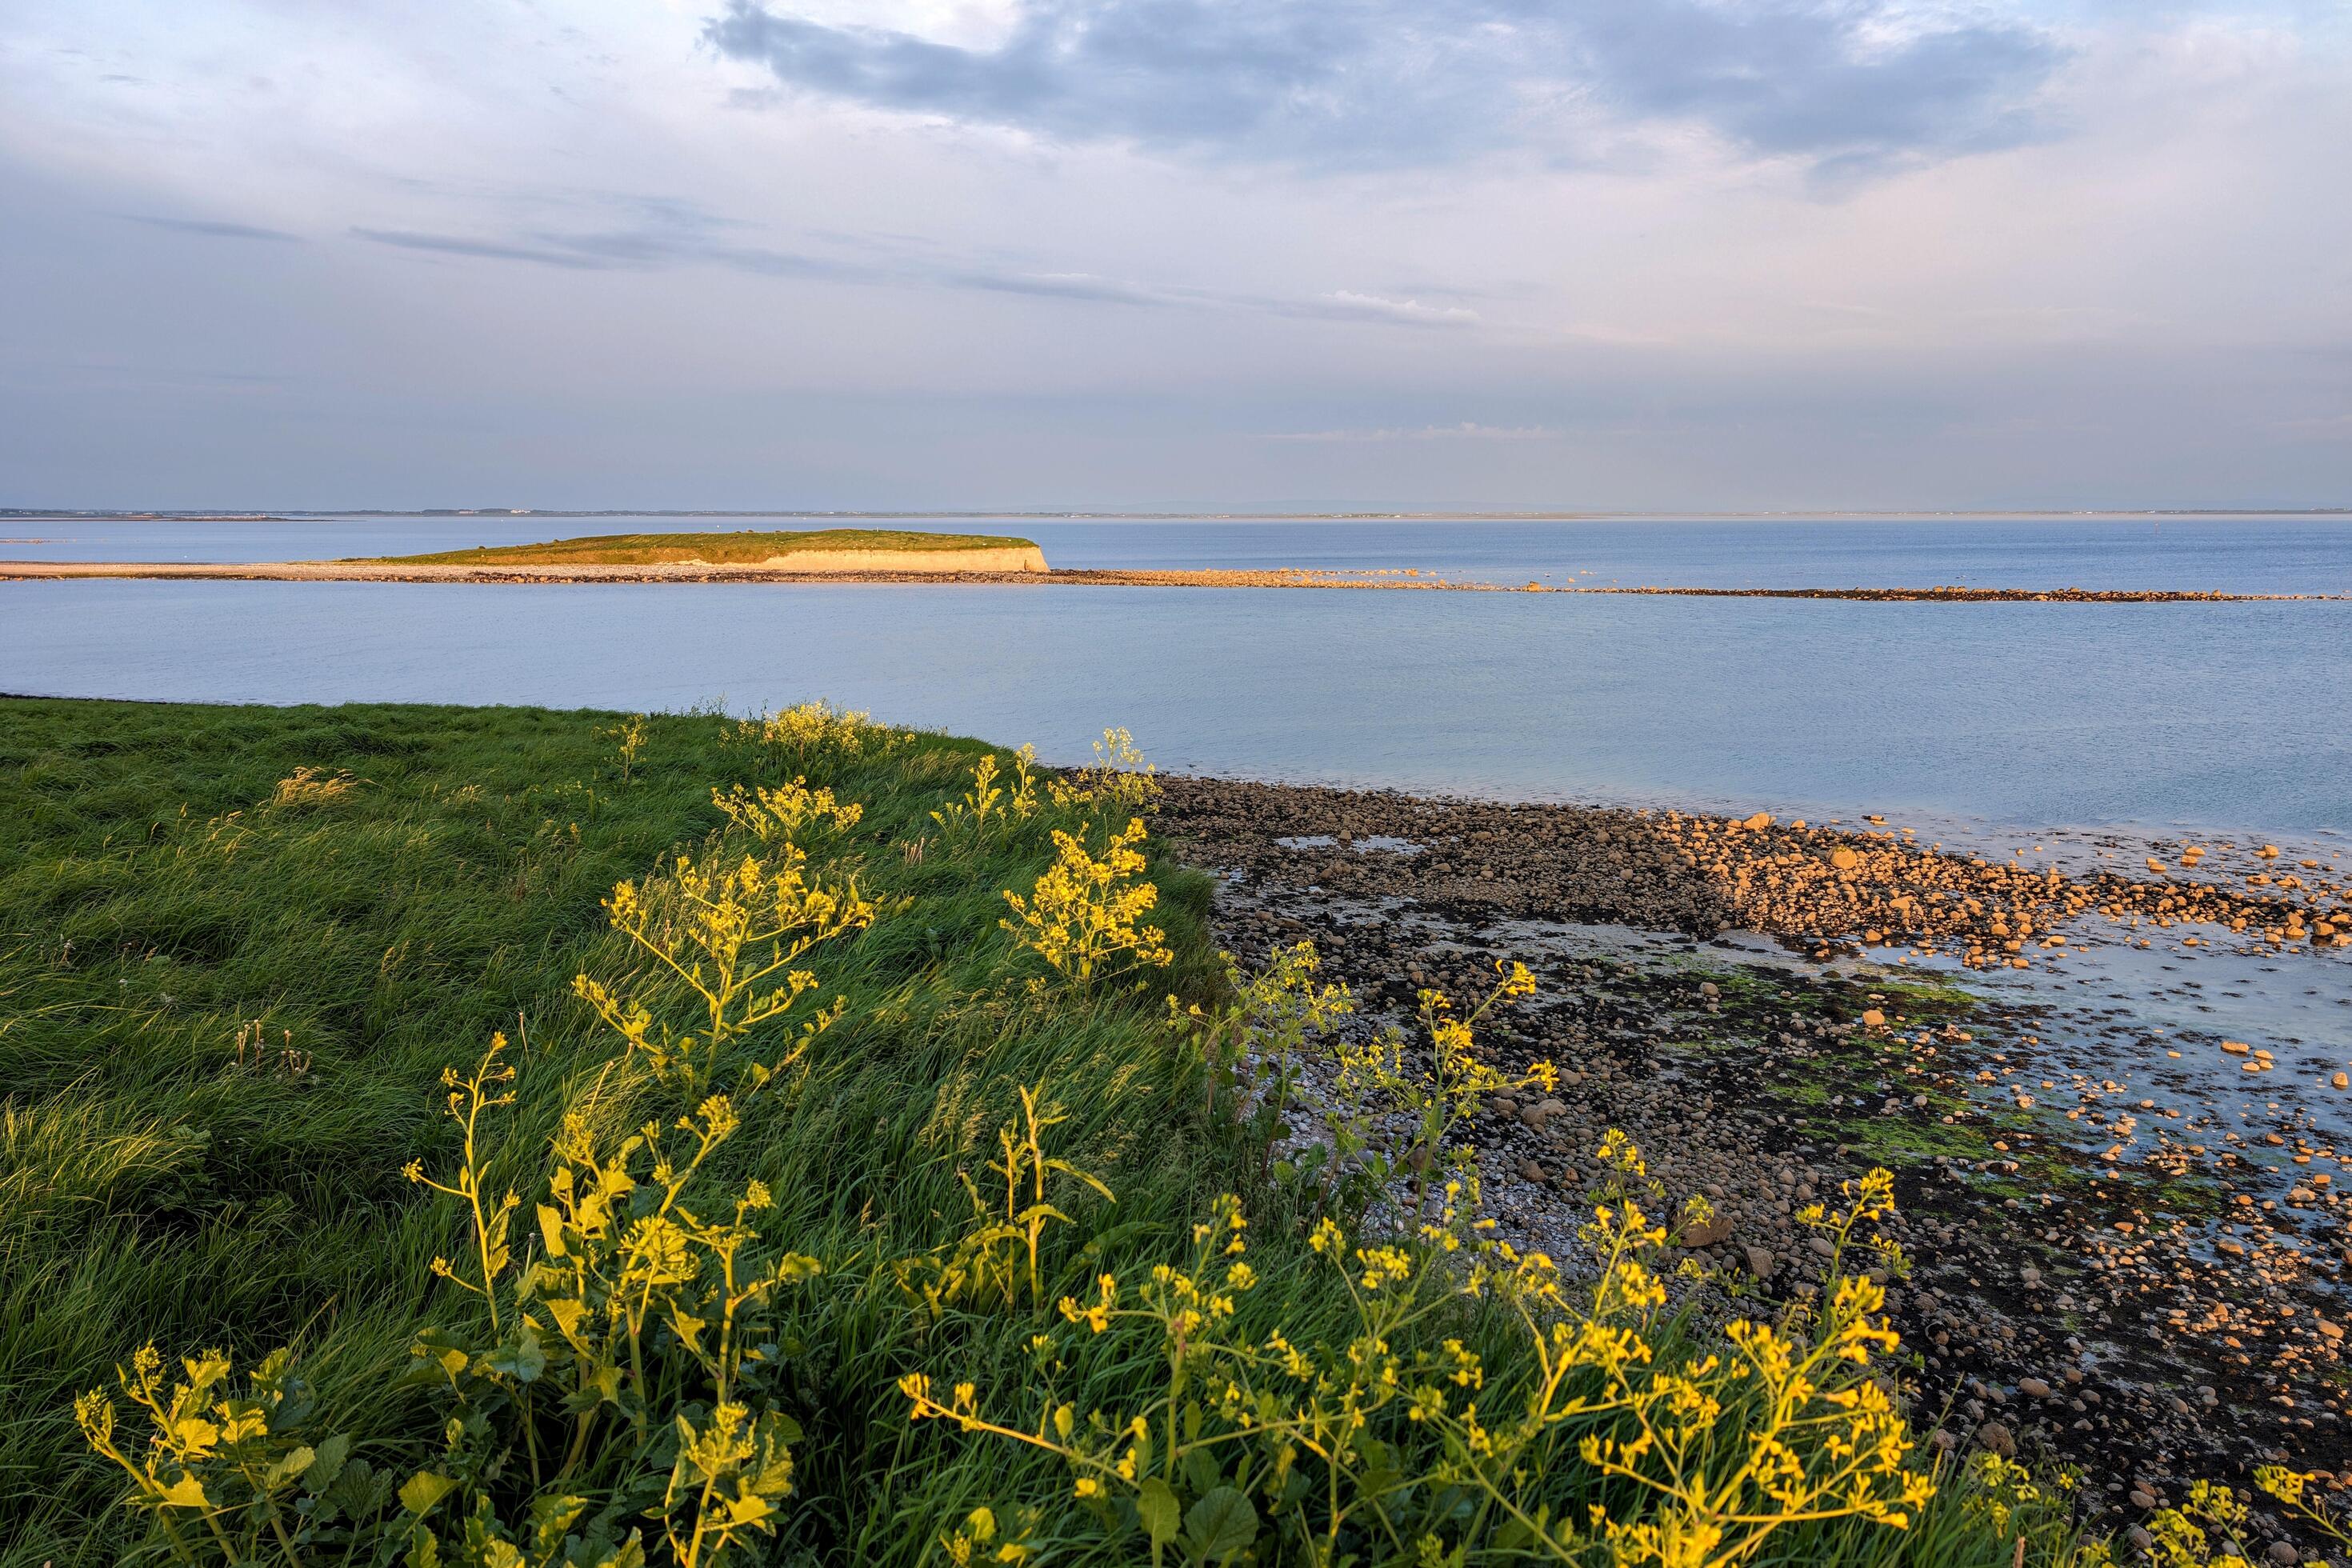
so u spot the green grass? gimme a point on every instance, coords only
(156, 899)
(747, 546)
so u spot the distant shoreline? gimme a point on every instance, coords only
(32, 515)
(827, 568)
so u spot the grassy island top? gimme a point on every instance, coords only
(745, 547)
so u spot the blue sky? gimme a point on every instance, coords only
(1167, 253)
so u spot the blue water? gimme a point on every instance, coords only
(2249, 554)
(2228, 716)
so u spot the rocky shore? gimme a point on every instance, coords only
(2128, 1243)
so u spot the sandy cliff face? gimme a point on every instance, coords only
(1029, 559)
(891, 563)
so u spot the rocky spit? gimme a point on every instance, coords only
(2128, 1243)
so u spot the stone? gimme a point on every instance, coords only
(2032, 1388)
(2281, 1552)
(1712, 1231)
(1994, 1438)
(1821, 1244)
(1760, 1261)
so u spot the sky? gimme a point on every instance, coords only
(1166, 255)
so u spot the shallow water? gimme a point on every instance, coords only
(2227, 715)
(2247, 554)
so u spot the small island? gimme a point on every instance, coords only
(870, 554)
(826, 550)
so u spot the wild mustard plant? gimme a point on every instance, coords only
(1024, 802)
(2293, 1488)
(230, 1470)
(986, 1264)
(815, 729)
(1086, 913)
(1404, 1442)
(790, 811)
(731, 934)
(1434, 1091)
(1253, 1042)
(638, 1354)
(1120, 781)
(1727, 1447)
(967, 818)
(628, 738)
(635, 1356)
(2011, 1503)
(2204, 1531)
(490, 1086)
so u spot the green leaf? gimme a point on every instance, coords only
(1221, 1525)
(424, 1489)
(550, 1517)
(287, 1466)
(327, 1464)
(521, 1358)
(186, 1492)
(630, 1553)
(1155, 1505)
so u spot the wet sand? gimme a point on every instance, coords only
(2120, 1166)
(845, 567)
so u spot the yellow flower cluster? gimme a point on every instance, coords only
(786, 812)
(817, 727)
(731, 933)
(1712, 1452)
(1120, 780)
(1087, 912)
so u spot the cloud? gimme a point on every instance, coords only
(1846, 85)
(1465, 431)
(452, 245)
(214, 230)
(665, 245)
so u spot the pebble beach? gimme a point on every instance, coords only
(2127, 1239)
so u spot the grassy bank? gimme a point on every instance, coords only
(744, 547)
(238, 949)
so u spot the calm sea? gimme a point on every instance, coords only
(2228, 716)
